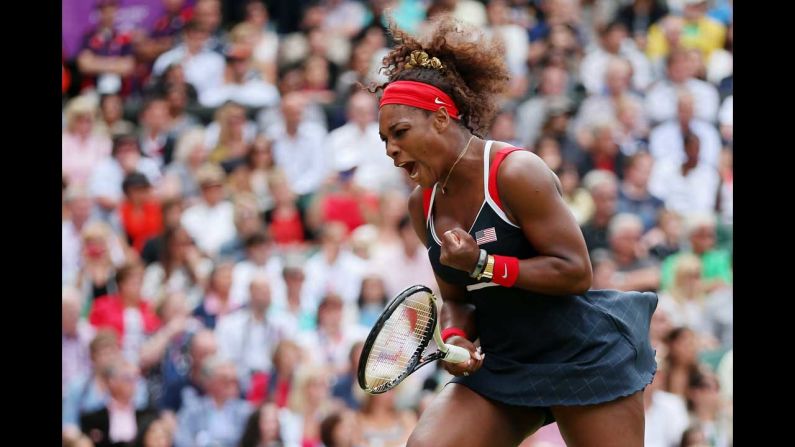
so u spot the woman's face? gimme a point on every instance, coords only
(180, 244)
(287, 359)
(261, 154)
(688, 279)
(549, 151)
(175, 75)
(406, 131)
(703, 239)
(222, 280)
(111, 108)
(269, 422)
(131, 286)
(236, 118)
(177, 99)
(317, 389)
(95, 248)
(256, 14)
(569, 180)
(373, 290)
(83, 123)
(316, 73)
(158, 435)
(684, 347)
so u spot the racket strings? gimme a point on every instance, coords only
(396, 346)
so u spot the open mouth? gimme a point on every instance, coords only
(412, 168)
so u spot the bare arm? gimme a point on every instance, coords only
(91, 64)
(531, 197)
(455, 311)
(153, 350)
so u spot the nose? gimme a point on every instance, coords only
(392, 150)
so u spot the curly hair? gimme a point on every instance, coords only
(473, 73)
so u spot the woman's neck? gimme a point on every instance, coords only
(129, 300)
(461, 176)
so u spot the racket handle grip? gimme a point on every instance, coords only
(456, 354)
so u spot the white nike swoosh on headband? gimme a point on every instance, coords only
(505, 275)
(437, 101)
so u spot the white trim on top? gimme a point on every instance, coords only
(430, 205)
(481, 285)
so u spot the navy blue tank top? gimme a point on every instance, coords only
(545, 350)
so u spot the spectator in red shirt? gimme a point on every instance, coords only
(286, 222)
(276, 386)
(126, 312)
(347, 202)
(140, 212)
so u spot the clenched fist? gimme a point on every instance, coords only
(459, 250)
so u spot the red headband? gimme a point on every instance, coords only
(420, 95)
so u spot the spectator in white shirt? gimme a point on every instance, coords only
(661, 98)
(241, 84)
(190, 154)
(334, 268)
(515, 39)
(686, 187)
(156, 139)
(604, 104)
(666, 140)
(78, 206)
(532, 114)
(211, 221)
(406, 264)
(299, 147)
(249, 336)
(331, 343)
(359, 140)
(614, 42)
(260, 260)
(81, 147)
(204, 68)
(666, 416)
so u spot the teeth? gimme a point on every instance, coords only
(402, 164)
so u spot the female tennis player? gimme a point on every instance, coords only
(511, 264)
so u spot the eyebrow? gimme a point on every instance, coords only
(390, 129)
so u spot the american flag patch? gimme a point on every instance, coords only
(486, 236)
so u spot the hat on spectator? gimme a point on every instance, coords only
(210, 175)
(346, 160)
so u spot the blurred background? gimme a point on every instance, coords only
(232, 226)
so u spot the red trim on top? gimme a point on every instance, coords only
(426, 200)
(493, 173)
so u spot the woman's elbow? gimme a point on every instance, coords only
(581, 279)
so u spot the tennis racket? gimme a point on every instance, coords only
(393, 349)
